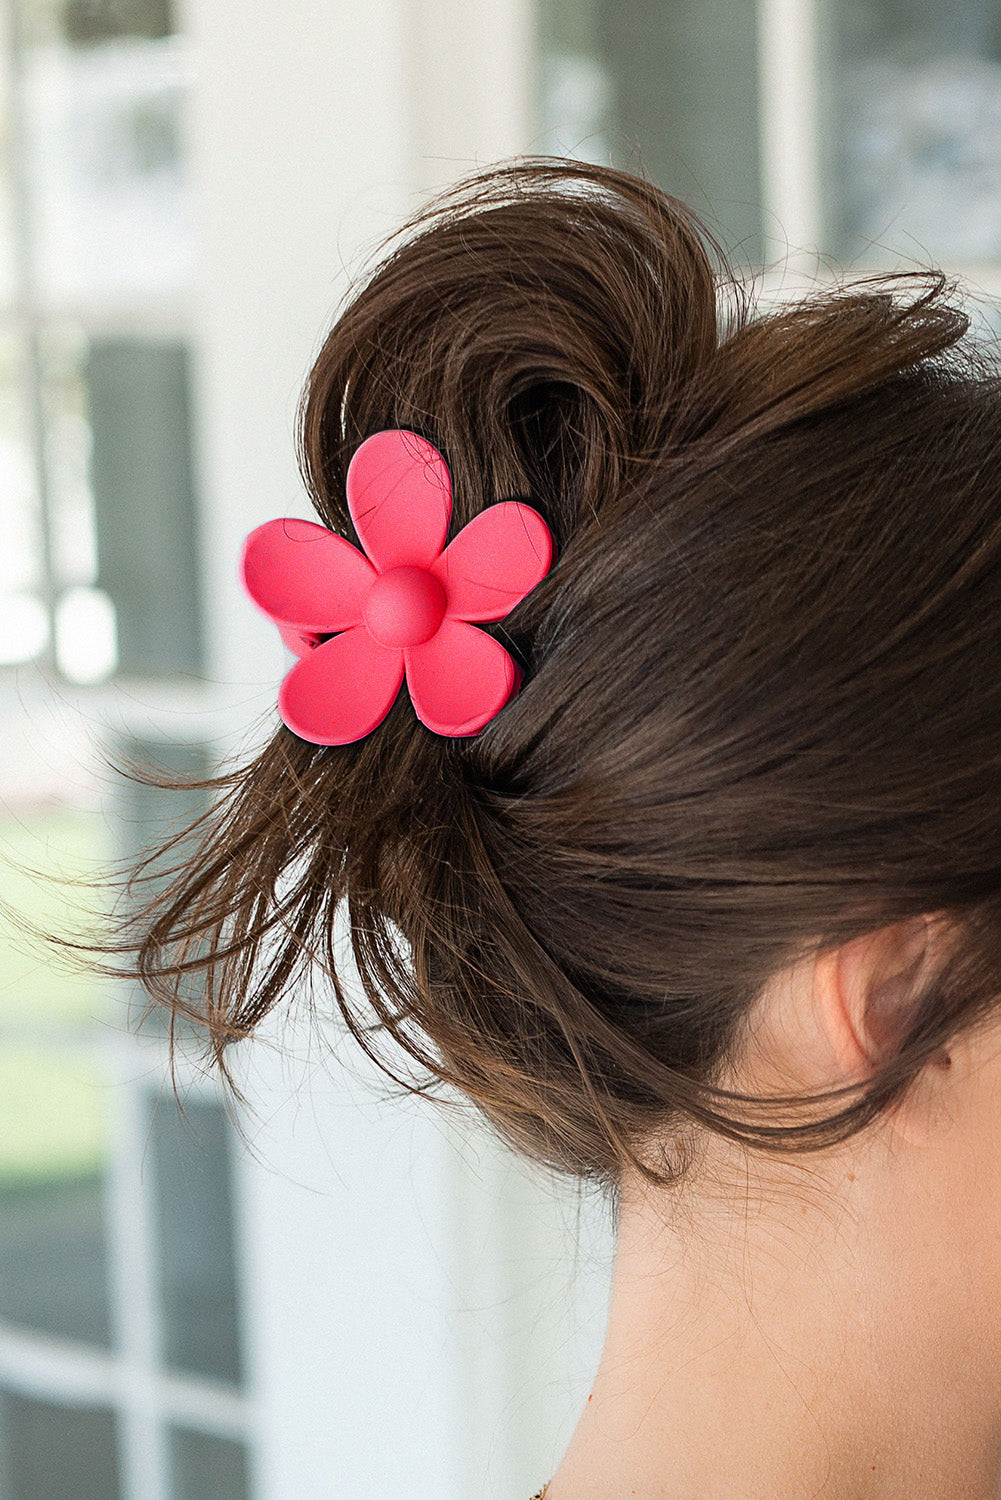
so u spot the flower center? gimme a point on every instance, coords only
(404, 606)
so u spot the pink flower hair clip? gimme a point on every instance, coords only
(401, 608)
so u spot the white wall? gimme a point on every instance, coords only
(415, 1330)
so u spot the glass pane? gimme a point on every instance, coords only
(53, 1270)
(81, 22)
(665, 86)
(105, 166)
(910, 96)
(50, 1452)
(86, 21)
(53, 1265)
(123, 512)
(205, 1467)
(196, 1260)
(141, 474)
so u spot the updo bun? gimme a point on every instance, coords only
(761, 711)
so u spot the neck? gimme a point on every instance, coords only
(801, 1352)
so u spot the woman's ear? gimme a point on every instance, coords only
(878, 977)
(866, 992)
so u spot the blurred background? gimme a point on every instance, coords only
(332, 1294)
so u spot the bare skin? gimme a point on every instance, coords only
(825, 1327)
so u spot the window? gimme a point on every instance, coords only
(120, 1321)
(96, 264)
(865, 130)
(122, 1369)
(910, 146)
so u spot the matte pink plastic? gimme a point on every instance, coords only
(403, 607)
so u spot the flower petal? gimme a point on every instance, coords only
(301, 642)
(400, 498)
(459, 678)
(302, 574)
(342, 689)
(494, 561)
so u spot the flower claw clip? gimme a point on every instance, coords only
(361, 621)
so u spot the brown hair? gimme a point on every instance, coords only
(761, 711)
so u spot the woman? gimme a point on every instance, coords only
(706, 907)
